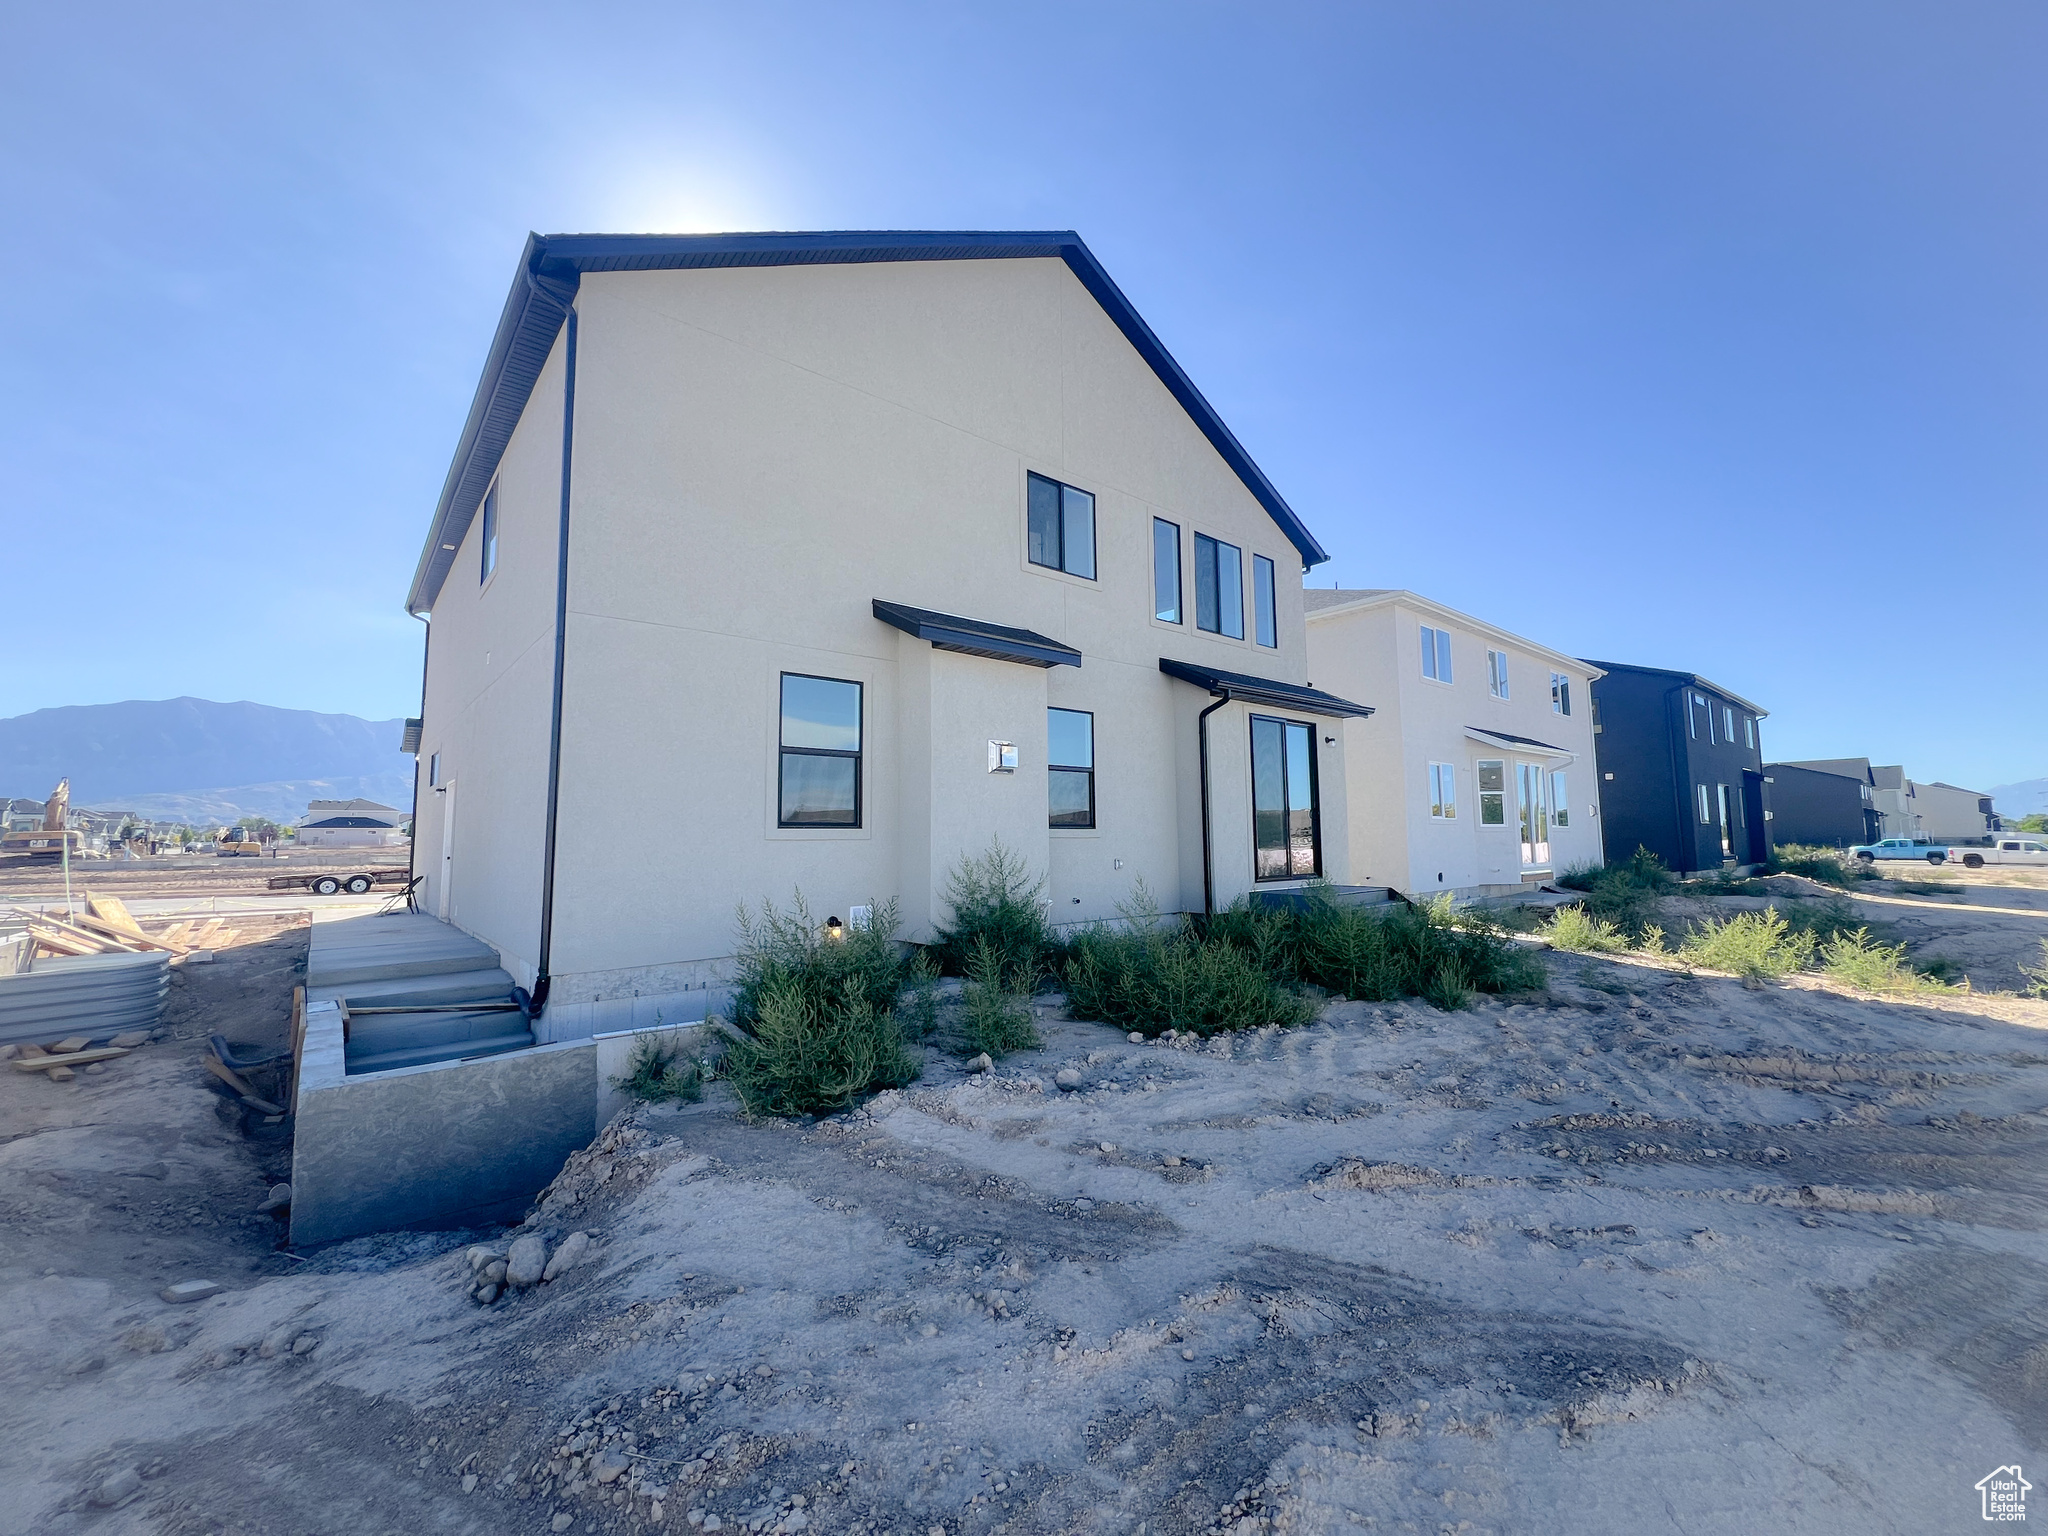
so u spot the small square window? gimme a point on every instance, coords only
(1061, 526)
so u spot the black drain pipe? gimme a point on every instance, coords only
(1202, 745)
(533, 1006)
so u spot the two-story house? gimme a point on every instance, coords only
(856, 552)
(1475, 776)
(1681, 769)
(1821, 806)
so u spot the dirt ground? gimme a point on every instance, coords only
(1646, 1251)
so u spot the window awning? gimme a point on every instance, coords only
(978, 637)
(1527, 745)
(1263, 690)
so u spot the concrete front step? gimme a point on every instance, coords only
(383, 947)
(493, 985)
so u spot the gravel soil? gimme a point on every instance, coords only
(1646, 1251)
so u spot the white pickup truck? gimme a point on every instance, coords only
(2004, 850)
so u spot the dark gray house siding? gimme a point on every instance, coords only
(1829, 810)
(1663, 738)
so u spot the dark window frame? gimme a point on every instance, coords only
(1265, 604)
(1180, 610)
(1052, 768)
(1216, 546)
(1062, 563)
(487, 535)
(858, 755)
(1315, 797)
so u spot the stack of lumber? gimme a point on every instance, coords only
(62, 1059)
(106, 927)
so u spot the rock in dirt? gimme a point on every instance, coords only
(1067, 1079)
(305, 1343)
(568, 1256)
(279, 1197)
(191, 1290)
(982, 1063)
(117, 1486)
(527, 1261)
(67, 1045)
(611, 1466)
(131, 1039)
(562, 1522)
(1137, 1038)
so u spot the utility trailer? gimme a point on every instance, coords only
(334, 882)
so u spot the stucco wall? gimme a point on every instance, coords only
(760, 453)
(1374, 653)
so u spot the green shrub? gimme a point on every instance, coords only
(1151, 975)
(1580, 877)
(1427, 950)
(1626, 895)
(778, 947)
(995, 900)
(1752, 944)
(2036, 976)
(1825, 919)
(805, 1056)
(656, 1073)
(997, 1021)
(814, 1023)
(1860, 961)
(1927, 887)
(1574, 928)
(1830, 866)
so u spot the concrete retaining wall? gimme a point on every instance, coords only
(454, 1143)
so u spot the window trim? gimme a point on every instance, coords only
(1265, 604)
(1093, 573)
(858, 755)
(488, 530)
(1497, 676)
(1480, 790)
(1219, 545)
(1180, 586)
(1052, 768)
(1443, 807)
(1315, 797)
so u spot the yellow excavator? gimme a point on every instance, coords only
(48, 840)
(238, 842)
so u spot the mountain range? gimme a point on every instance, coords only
(2029, 797)
(200, 761)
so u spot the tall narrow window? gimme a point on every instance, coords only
(1436, 654)
(490, 535)
(1533, 791)
(433, 770)
(1219, 587)
(1560, 694)
(1165, 570)
(1267, 625)
(1560, 801)
(1492, 773)
(1497, 674)
(1070, 767)
(1728, 724)
(1284, 830)
(1443, 792)
(1061, 533)
(1749, 732)
(1706, 812)
(821, 747)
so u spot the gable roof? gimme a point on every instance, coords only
(1688, 677)
(1330, 602)
(552, 267)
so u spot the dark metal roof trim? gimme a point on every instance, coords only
(1263, 690)
(1691, 677)
(551, 267)
(1520, 741)
(976, 637)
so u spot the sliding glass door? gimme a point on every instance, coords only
(1532, 784)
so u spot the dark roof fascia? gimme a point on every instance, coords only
(1263, 690)
(1690, 677)
(1521, 741)
(551, 269)
(978, 637)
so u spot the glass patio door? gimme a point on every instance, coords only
(1532, 784)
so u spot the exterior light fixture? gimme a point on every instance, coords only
(834, 929)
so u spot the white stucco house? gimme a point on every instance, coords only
(1477, 774)
(351, 824)
(854, 552)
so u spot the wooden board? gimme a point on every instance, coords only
(41, 1063)
(298, 1039)
(64, 944)
(130, 938)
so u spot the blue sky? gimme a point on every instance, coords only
(1705, 336)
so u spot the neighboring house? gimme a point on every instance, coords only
(879, 548)
(1477, 773)
(351, 824)
(1892, 795)
(1681, 769)
(1820, 807)
(21, 816)
(1949, 814)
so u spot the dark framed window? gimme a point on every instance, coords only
(1070, 767)
(1165, 570)
(1062, 526)
(1219, 587)
(434, 770)
(1266, 622)
(490, 535)
(820, 752)
(1286, 834)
